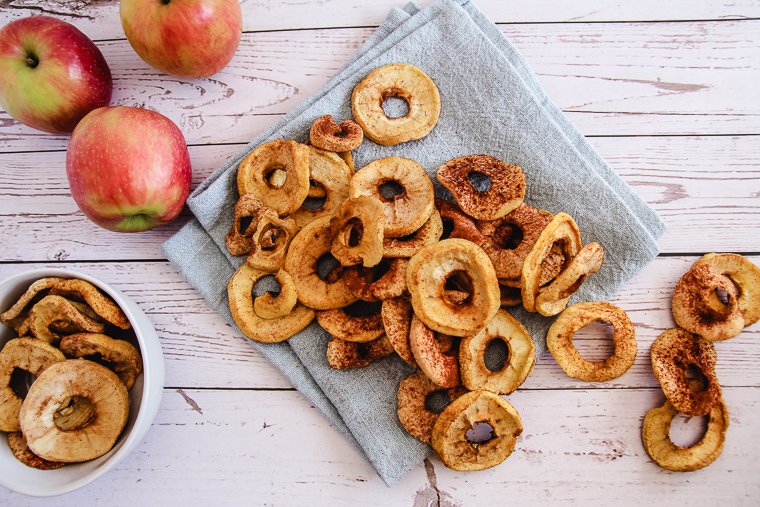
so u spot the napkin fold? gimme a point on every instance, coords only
(491, 103)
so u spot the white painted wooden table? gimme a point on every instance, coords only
(666, 91)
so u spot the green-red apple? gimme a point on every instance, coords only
(185, 38)
(51, 74)
(128, 168)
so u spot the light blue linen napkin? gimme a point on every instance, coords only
(491, 103)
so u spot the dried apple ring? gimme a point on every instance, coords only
(35, 290)
(505, 192)
(21, 452)
(408, 245)
(406, 82)
(412, 404)
(561, 230)
(451, 438)
(655, 435)
(674, 353)
(435, 354)
(357, 232)
(553, 298)
(28, 354)
(310, 245)
(277, 173)
(271, 306)
(559, 341)
(410, 205)
(356, 323)
(325, 133)
(54, 316)
(459, 265)
(103, 307)
(385, 281)
(343, 355)
(745, 275)
(521, 356)
(240, 294)
(697, 309)
(457, 224)
(121, 356)
(332, 174)
(397, 321)
(238, 239)
(270, 241)
(349, 160)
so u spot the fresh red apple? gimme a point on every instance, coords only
(185, 38)
(51, 74)
(128, 168)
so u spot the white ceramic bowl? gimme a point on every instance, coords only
(145, 396)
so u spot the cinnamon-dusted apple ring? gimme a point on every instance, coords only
(34, 292)
(27, 354)
(561, 230)
(270, 241)
(553, 299)
(559, 341)
(456, 224)
(121, 355)
(238, 239)
(331, 173)
(412, 404)
(505, 192)
(80, 290)
(406, 82)
(240, 294)
(310, 245)
(435, 354)
(357, 232)
(325, 133)
(54, 316)
(674, 353)
(397, 321)
(453, 439)
(410, 205)
(385, 281)
(655, 435)
(745, 275)
(277, 173)
(24, 454)
(408, 245)
(697, 309)
(519, 363)
(343, 355)
(271, 306)
(362, 324)
(453, 265)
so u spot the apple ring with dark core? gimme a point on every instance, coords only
(745, 275)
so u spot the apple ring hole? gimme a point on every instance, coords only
(448, 228)
(480, 433)
(275, 176)
(479, 181)
(75, 413)
(355, 231)
(437, 401)
(390, 190)
(594, 341)
(496, 355)
(686, 430)
(20, 382)
(509, 236)
(692, 372)
(394, 103)
(314, 203)
(266, 284)
(363, 349)
(363, 308)
(328, 268)
(458, 288)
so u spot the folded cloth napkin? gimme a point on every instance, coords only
(490, 103)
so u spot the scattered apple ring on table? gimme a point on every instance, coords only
(325, 133)
(673, 353)
(698, 310)
(453, 264)
(100, 304)
(655, 435)
(270, 242)
(505, 192)
(260, 173)
(412, 404)
(122, 355)
(408, 245)
(361, 328)
(387, 280)
(559, 341)
(451, 440)
(343, 355)
(54, 316)
(27, 354)
(434, 353)
(412, 204)
(742, 273)
(240, 295)
(520, 360)
(406, 82)
(357, 231)
(397, 321)
(553, 298)
(332, 174)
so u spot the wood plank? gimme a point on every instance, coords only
(611, 79)
(239, 447)
(706, 189)
(201, 350)
(99, 19)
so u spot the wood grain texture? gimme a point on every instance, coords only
(610, 78)
(272, 448)
(202, 350)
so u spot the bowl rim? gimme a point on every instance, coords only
(153, 372)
